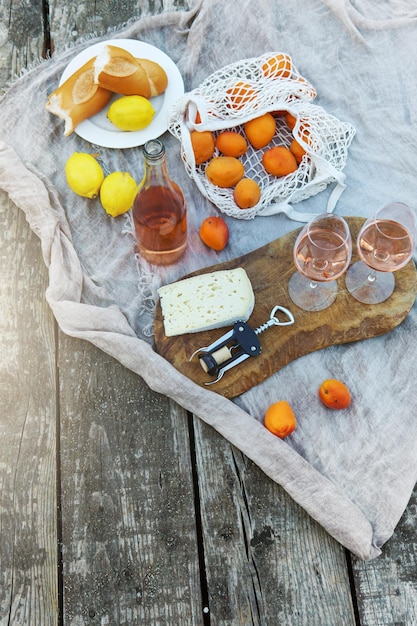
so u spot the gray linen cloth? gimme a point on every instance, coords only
(352, 471)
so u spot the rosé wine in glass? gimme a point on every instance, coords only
(385, 244)
(322, 252)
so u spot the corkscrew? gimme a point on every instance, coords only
(237, 345)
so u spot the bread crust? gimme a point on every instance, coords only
(119, 71)
(78, 98)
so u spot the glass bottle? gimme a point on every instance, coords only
(159, 211)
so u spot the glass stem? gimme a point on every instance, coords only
(313, 284)
(371, 278)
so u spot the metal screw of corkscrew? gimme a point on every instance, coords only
(237, 345)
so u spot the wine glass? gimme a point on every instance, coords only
(322, 252)
(385, 244)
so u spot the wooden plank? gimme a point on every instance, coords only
(24, 46)
(128, 524)
(28, 538)
(28, 504)
(387, 587)
(267, 562)
(73, 20)
(127, 497)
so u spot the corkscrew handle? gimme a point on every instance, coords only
(274, 320)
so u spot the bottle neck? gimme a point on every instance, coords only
(155, 167)
(155, 172)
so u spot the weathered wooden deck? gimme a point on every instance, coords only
(116, 506)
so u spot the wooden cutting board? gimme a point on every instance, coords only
(269, 269)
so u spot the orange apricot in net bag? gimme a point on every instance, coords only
(290, 119)
(225, 171)
(240, 94)
(203, 144)
(304, 130)
(305, 86)
(280, 419)
(231, 143)
(278, 66)
(279, 161)
(334, 394)
(260, 130)
(297, 150)
(247, 193)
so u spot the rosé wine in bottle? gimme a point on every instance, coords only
(159, 211)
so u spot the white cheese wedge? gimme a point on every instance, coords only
(207, 301)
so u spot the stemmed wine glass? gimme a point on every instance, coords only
(385, 244)
(322, 252)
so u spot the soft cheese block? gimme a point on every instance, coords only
(207, 301)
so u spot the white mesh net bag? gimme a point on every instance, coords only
(248, 89)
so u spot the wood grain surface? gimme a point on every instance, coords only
(269, 268)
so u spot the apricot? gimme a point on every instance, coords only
(297, 150)
(247, 193)
(290, 119)
(260, 130)
(304, 131)
(214, 232)
(203, 144)
(279, 161)
(240, 94)
(231, 143)
(280, 419)
(278, 66)
(225, 171)
(304, 86)
(334, 394)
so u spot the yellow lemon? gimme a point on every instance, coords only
(131, 113)
(117, 193)
(84, 174)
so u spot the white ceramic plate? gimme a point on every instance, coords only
(98, 129)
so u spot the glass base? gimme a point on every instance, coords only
(367, 285)
(311, 296)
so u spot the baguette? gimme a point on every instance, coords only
(117, 70)
(78, 98)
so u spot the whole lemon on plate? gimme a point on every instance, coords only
(117, 193)
(84, 174)
(131, 113)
